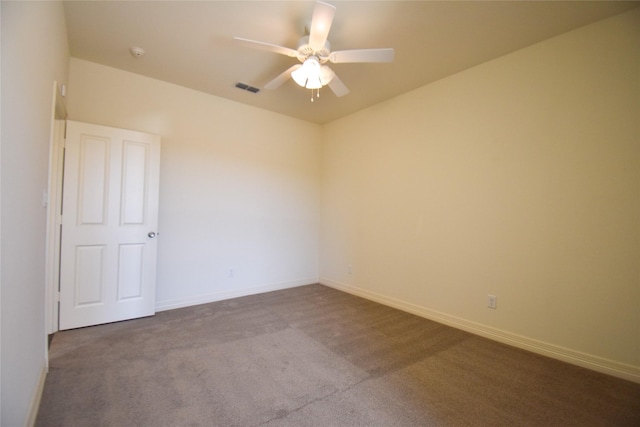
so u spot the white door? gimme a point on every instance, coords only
(109, 225)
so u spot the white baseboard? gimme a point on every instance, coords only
(228, 294)
(595, 363)
(37, 396)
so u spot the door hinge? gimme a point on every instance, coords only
(58, 296)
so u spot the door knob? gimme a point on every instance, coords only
(152, 234)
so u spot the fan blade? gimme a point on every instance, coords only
(320, 25)
(278, 81)
(267, 46)
(362, 55)
(338, 87)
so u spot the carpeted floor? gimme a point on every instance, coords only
(314, 356)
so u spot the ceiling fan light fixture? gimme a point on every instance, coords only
(309, 74)
(326, 75)
(312, 75)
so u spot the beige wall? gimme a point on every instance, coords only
(239, 185)
(34, 54)
(519, 178)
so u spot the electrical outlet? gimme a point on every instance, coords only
(350, 270)
(492, 301)
(231, 273)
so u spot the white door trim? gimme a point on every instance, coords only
(53, 201)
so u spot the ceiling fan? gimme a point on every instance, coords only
(314, 51)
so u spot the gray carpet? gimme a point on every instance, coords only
(314, 356)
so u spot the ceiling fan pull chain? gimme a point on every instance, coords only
(317, 94)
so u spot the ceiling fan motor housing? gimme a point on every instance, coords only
(305, 51)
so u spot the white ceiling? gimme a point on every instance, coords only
(190, 43)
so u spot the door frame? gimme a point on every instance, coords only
(53, 202)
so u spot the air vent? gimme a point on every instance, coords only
(246, 87)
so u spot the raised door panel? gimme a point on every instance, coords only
(88, 280)
(93, 180)
(130, 271)
(135, 170)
